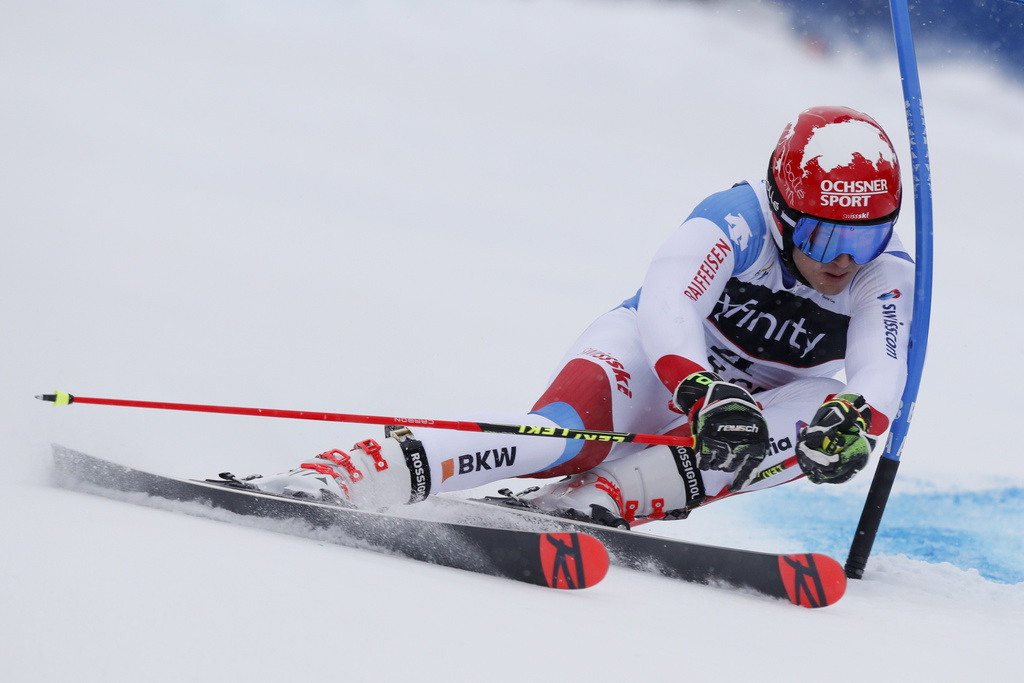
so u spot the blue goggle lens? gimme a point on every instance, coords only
(825, 242)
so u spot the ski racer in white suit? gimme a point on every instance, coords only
(747, 315)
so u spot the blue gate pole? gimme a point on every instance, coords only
(885, 472)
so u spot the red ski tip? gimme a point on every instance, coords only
(572, 560)
(812, 580)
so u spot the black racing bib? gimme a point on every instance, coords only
(779, 327)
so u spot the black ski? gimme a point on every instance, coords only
(806, 579)
(505, 537)
(567, 560)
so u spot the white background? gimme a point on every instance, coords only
(412, 209)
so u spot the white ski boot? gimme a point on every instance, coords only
(371, 476)
(662, 482)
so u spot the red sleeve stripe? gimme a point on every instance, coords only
(674, 369)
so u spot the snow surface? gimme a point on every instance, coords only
(409, 208)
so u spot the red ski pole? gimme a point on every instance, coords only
(61, 398)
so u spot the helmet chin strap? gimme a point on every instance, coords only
(789, 265)
(786, 253)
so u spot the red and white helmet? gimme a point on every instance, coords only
(834, 186)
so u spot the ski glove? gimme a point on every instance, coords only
(836, 445)
(729, 432)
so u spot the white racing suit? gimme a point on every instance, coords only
(716, 297)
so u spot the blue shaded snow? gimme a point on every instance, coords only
(987, 30)
(980, 530)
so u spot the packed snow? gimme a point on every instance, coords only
(411, 209)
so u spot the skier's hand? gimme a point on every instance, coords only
(729, 432)
(836, 444)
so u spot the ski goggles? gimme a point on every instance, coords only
(826, 241)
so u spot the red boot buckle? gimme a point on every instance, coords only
(629, 512)
(612, 490)
(329, 471)
(342, 459)
(372, 448)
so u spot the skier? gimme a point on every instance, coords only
(746, 315)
